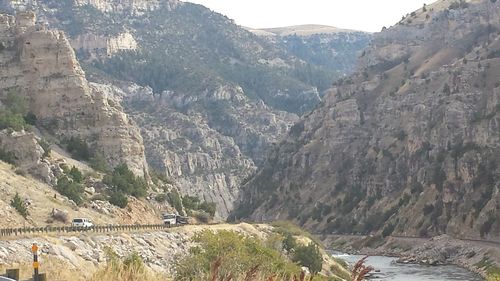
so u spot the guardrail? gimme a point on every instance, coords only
(6, 232)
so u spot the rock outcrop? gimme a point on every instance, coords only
(99, 44)
(409, 144)
(131, 6)
(205, 160)
(28, 155)
(41, 66)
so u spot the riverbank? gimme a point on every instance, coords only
(479, 257)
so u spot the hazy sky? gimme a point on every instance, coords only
(367, 15)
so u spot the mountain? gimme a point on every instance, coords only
(210, 97)
(324, 46)
(39, 69)
(406, 145)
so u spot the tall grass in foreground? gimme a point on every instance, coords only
(131, 268)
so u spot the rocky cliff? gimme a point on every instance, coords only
(210, 97)
(40, 66)
(408, 144)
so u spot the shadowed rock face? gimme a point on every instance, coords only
(41, 65)
(408, 144)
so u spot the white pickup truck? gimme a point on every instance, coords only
(81, 222)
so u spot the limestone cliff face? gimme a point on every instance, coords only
(408, 144)
(108, 45)
(41, 65)
(133, 6)
(204, 160)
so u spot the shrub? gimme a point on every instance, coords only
(46, 148)
(17, 203)
(8, 157)
(289, 242)
(73, 190)
(309, 256)
(194, 203)
(122, 180)
(388, 230)
(157, 176)
(30, 119)
(118, 199)
(486, 226)
(76, 175)
(236, 254)
(11, 120)
(208, 207)
(129, 268)
(98, 163)
(78, 148)
(161, 198)
(174, 199)
(190, 202)
(20, 172)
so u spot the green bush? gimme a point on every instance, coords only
(15, 112)
(98, 163)
(122, 180)
(46, 148)
(309, 256)
(157, 176)
(161, 198)
(10, 120)
(71, 189)
(190, 202)
(118, 199)
(388, 230)
(174, 199)
(8, 157)
(76, 175)
(78, 148)
(30, 118)
(208, 207)
(238, 254)
(289, 242)
(194, 203)
(17, 203)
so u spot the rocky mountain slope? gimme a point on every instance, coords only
(408, 144)
(328, 47)
(39, 66)
(210, 97)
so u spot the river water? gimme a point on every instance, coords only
(392, 271)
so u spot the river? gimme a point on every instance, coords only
(392, 271)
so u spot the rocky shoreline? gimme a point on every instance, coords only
(436, 251)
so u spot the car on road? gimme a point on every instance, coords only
(82, 222)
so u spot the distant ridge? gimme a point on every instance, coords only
(301, 30)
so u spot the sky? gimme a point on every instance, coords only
(365, 15)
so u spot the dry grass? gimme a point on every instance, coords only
(56, 270)
(123, 273)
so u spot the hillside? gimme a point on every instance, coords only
(323, 46)
(210, 97)
(407, 145)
